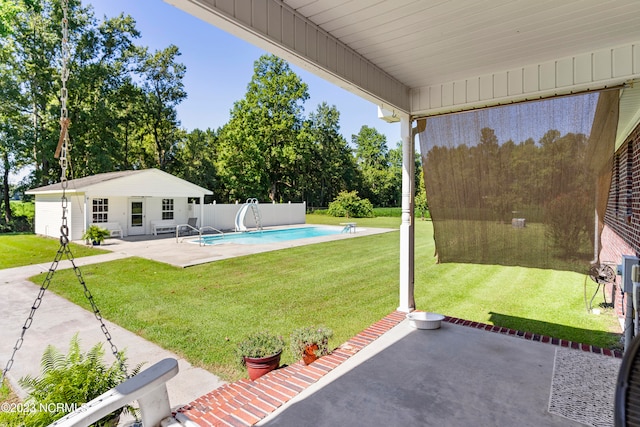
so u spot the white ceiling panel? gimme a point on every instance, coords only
(411, 49)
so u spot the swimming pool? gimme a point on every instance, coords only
(269, 236)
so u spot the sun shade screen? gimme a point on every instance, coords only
(519, 184)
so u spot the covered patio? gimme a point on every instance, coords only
(415, 60)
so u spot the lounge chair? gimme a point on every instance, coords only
(189, 228)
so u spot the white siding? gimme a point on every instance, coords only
(153, 210)
(117, 211)
(75, 221)
(48, 217)
(589, 71)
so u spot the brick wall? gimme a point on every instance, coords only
(621, 234)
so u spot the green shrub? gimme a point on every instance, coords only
(67, 381)
(349, 204)
(22, 214)
(567, 220)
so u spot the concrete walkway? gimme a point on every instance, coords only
(57, 320)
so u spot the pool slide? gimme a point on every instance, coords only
(242, 213)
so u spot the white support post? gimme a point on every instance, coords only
(407, 300)
(201, 212)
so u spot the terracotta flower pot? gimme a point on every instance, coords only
(258, 366)
(309, 355)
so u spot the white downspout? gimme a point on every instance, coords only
(407, 238)
(202, 211)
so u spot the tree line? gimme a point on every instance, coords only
(122, 100)
(550, 182)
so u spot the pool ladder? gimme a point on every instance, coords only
(253, 204)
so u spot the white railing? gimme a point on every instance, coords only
(148, 388)
(200, 231)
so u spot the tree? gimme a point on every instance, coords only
(100, 88)
(259, 147)
(195, 159)
(380, 185)
(13, 106)
(164, 90)
(350, 205)
(36, 37)
(331, 167)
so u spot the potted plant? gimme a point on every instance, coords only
(310, 342)
(96, 234)
(260, 352)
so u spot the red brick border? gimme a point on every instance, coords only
(246, 402)
(535, 337)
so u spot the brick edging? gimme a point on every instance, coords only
(535, 337)
(246, 402)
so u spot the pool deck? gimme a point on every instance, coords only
(180, 253)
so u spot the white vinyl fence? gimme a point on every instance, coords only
(222, 216)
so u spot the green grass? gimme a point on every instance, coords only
(27, 249)
(494, 243)
(379, 222)
(202, 312)
(382, 212)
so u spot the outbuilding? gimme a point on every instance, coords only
(128, 203)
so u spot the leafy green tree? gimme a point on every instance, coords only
(195, 160)
(36, 38)
(100, 87)
(331, 166)
(379, 182)
(421, 204)
(258, 148)
(9, 10)
(164, 90)
(13, 121)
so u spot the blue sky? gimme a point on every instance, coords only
(516, 122)
(219, 67)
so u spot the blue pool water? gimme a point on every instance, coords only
(270, 236)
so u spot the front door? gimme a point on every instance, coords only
(136, 217)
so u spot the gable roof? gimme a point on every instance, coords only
(144, 182)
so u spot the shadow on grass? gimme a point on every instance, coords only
(492, 243)
(584, 336)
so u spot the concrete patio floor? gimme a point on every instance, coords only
(463, 374)
(454, 376)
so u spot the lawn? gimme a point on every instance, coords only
(27, 249)
(202, 312)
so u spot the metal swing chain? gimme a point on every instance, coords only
(61, 153)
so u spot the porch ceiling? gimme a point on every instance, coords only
(433, 57)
